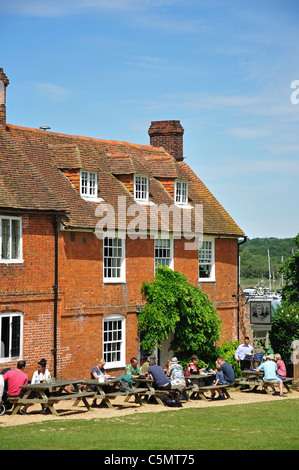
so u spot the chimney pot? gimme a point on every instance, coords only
(3, 84)
(168, 134)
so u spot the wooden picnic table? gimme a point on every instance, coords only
(107, 396)
(199, 384)
(200, 389)
(50, 393)
(255, 378)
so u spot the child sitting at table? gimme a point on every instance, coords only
(219, 377)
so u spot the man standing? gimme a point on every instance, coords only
(244, 354)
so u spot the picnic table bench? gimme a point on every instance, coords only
(224, 389)
(50, 393)
(107, 396)
(255, 378)
(285, 382)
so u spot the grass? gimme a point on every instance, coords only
(255, 426)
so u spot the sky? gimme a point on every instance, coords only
(228, 70)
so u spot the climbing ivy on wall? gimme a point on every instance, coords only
(174, 305)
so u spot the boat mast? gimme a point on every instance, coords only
(269, 269)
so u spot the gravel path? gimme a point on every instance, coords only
(67, 411)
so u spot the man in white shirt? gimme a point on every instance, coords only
(244, 354)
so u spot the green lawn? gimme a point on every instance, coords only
(256, 426)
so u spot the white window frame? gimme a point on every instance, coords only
(10, 316)
(206, 254)
(89, 184)
(114, 260)
(114, 338)
(181, 192)
(141, 188)
(10, 259)
(161, 243)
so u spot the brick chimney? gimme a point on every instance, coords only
(168, 134)
(3, 84)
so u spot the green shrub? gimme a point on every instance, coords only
(285, 330)
(227, 351)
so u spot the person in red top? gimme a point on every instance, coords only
(16, 378)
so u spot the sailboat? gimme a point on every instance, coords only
(260, 291)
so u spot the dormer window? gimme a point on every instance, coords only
(88, 184)
(141, 188)
(181, 192)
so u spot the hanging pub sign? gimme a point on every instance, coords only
(260, 312)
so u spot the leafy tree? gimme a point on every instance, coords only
(254, 256)
(285, 330)
(175, 306)
(290, 271)
(285, 320)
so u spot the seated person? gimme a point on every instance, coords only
(145, 366)
(176, 375)
(161, 382)
(133, 368)
(41, 375)
(16, 378)
(96, 372)
(281, 367)
(269, 367)
(219, 378)
(99, 370)
(192, 367)
(177, 379)
(228, 375)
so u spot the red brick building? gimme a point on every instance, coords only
(74, 254)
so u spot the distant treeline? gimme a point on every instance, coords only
(254, 256)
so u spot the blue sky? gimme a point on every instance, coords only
(107, 68)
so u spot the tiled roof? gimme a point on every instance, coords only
(33, 176)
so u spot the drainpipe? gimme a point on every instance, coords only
(55, 289)
(238, 286)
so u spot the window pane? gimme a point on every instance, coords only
(113, 343)
(5, 238)
(84, 182)
(141, 188)
(162, 252)
(10, 336)
(113, 258)
(16, 336)
(205, 259)
(5, 337)
(15, 239)
(181, 192)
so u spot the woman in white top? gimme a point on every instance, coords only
(40, 375)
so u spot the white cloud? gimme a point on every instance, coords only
(54, 8)
(148, 62)
(247, 132)
(53, 92)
